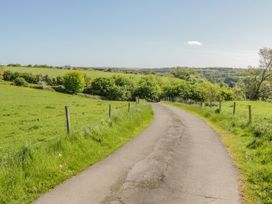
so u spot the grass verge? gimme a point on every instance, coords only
(249, 145)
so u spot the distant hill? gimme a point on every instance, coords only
(229, 76)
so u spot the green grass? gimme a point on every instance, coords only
(91, 73)
(250, 145)
(53, 72)
(35, 152)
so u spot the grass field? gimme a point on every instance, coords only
(249, 144)
(92, 74)
(35, 152)
(53, 72)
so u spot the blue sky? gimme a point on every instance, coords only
(135, 33)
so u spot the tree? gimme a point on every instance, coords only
(112, 88)
(101, 86)
(148, 89)
(74, 81)
(186, 74)
(256, 84)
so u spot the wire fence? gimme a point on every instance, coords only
(249, 111)
(60, 130)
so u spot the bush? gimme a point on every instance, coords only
(1, 73)
(100, 86)
(126, 85)
(226, 94)
(20, 81)
(73, 81)
(29, 77)
(114, 88)
(148, 89)
(14, 65)
(60, 88)
(10, 76)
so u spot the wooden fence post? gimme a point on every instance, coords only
(249, 114)
(220, 107)
(128, 106)
(137, 100)
(68, 124)
(109, 110)
(234, 108)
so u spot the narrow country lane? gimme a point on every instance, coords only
(177, 159)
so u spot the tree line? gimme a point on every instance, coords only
(183, 83)
(121, 87)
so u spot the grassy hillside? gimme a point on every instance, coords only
(30, 115)
(214, 74)
(249, 144)
(35, 152)
(53, 72)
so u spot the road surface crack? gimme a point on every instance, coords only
(149, 173)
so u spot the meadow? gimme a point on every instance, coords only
(250, 144)
(35, 152)
(53, 72)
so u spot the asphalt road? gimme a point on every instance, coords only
(177, 159)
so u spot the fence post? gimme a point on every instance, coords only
(68, 124)
(128, 106)
(137, 99)
(109, 110)
(234, 108)
(249, 114)
(220, 106)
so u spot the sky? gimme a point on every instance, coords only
(135, 33)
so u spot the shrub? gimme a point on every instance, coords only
(10, 76)
(114, 88)
(101, 86)
(117, 93)
(73, 81)
(14, 65)
(226, 94)
(1, 73)
(20, 81)
(148, 89)
(59, 80)
(126, 85)
(29, 77)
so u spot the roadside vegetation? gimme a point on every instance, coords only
(36, 153)
(250, 144)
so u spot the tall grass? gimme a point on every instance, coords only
(250, 144)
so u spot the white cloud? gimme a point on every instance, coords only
(194, 43)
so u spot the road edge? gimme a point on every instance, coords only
(221, 133)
